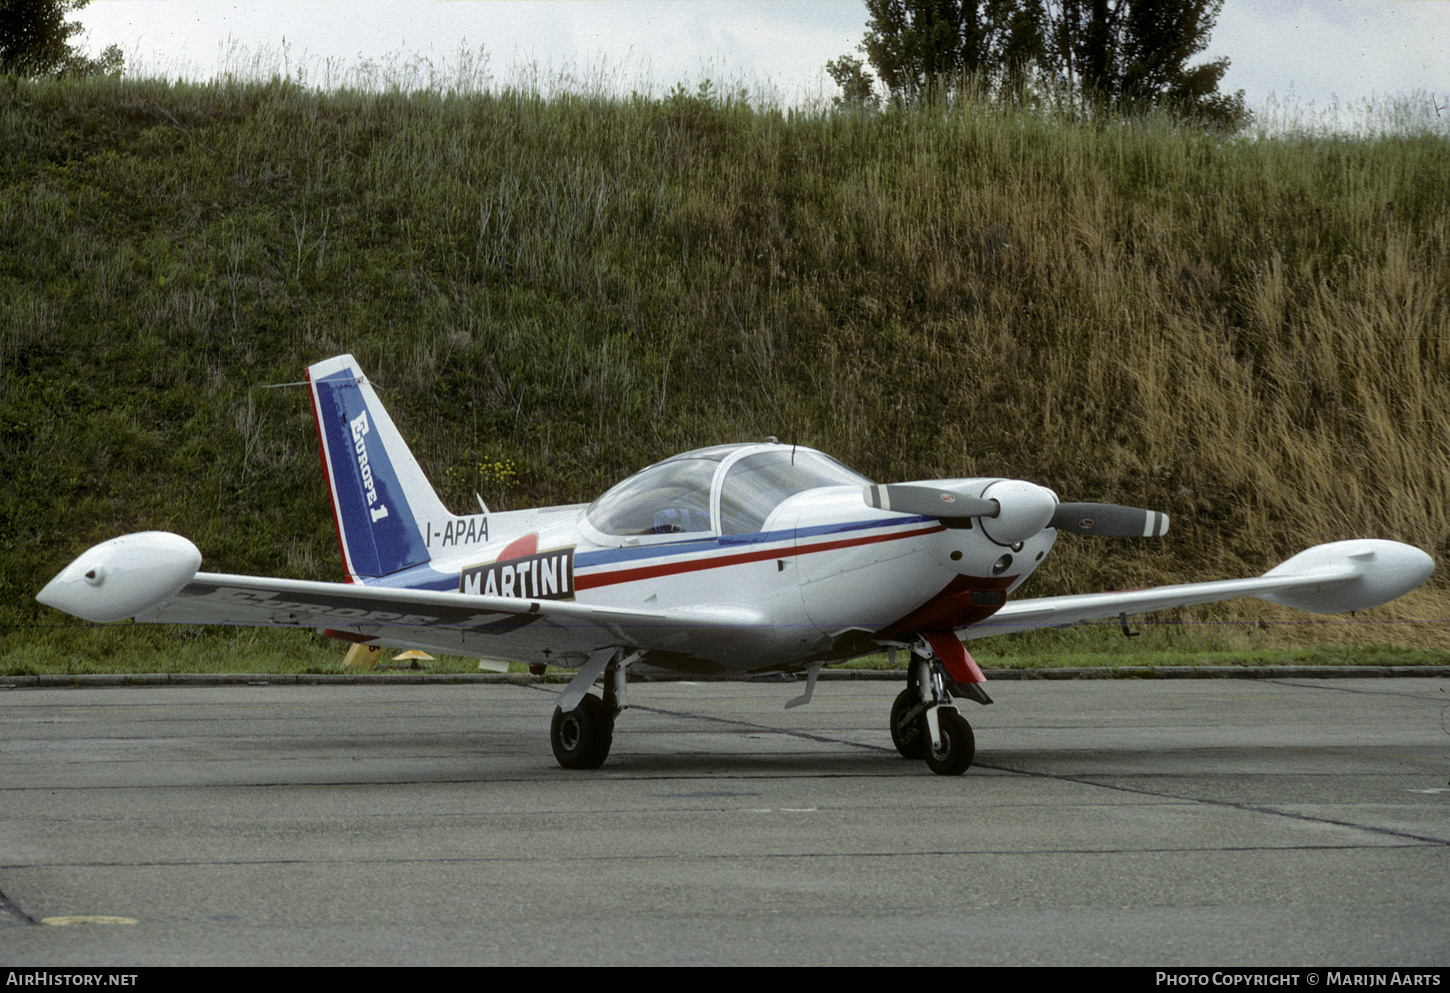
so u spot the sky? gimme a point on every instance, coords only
(1315, 54)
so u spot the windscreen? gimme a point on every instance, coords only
(759, 483)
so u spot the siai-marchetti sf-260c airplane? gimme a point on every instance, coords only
(743, 558)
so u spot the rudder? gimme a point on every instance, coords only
(379, 493)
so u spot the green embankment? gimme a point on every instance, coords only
(1253, 335)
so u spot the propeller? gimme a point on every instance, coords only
(929, 500)
(1109, 520)
(1012, 510)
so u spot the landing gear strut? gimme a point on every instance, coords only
(583, 725)
(925, 723)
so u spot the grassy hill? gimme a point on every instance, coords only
(1252, 335)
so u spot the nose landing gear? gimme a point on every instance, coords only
(925, 723)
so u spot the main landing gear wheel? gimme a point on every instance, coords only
(581, 738)
(958, 745)
(908, 734)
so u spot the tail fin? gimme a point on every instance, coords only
(381, 500)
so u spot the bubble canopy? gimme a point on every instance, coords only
(727, 489)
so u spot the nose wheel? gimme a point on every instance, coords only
(925, 723)
(956, 746)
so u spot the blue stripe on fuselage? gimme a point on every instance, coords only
(425, 577)
(728, 542)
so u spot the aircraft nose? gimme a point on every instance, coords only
(1024, 509)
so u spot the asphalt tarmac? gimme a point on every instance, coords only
(1164, 823)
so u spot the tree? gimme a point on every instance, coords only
(1120, 54)
(922, 49)
(1129, 54)
(35, 40)
(858, 89)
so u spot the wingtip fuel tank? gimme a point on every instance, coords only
(123, 577)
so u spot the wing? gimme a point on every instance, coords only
(152, 578)
(1326, 579)
(555, 632)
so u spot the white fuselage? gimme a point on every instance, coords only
(830, 577)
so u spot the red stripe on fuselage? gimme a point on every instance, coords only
(593, 580)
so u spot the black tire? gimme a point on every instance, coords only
(581, 738)
(908, 735)
(958, 745)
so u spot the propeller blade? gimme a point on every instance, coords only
(928, 501)
(1013, 510)
(1109, 520)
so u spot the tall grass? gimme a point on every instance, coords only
(1249, 333)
